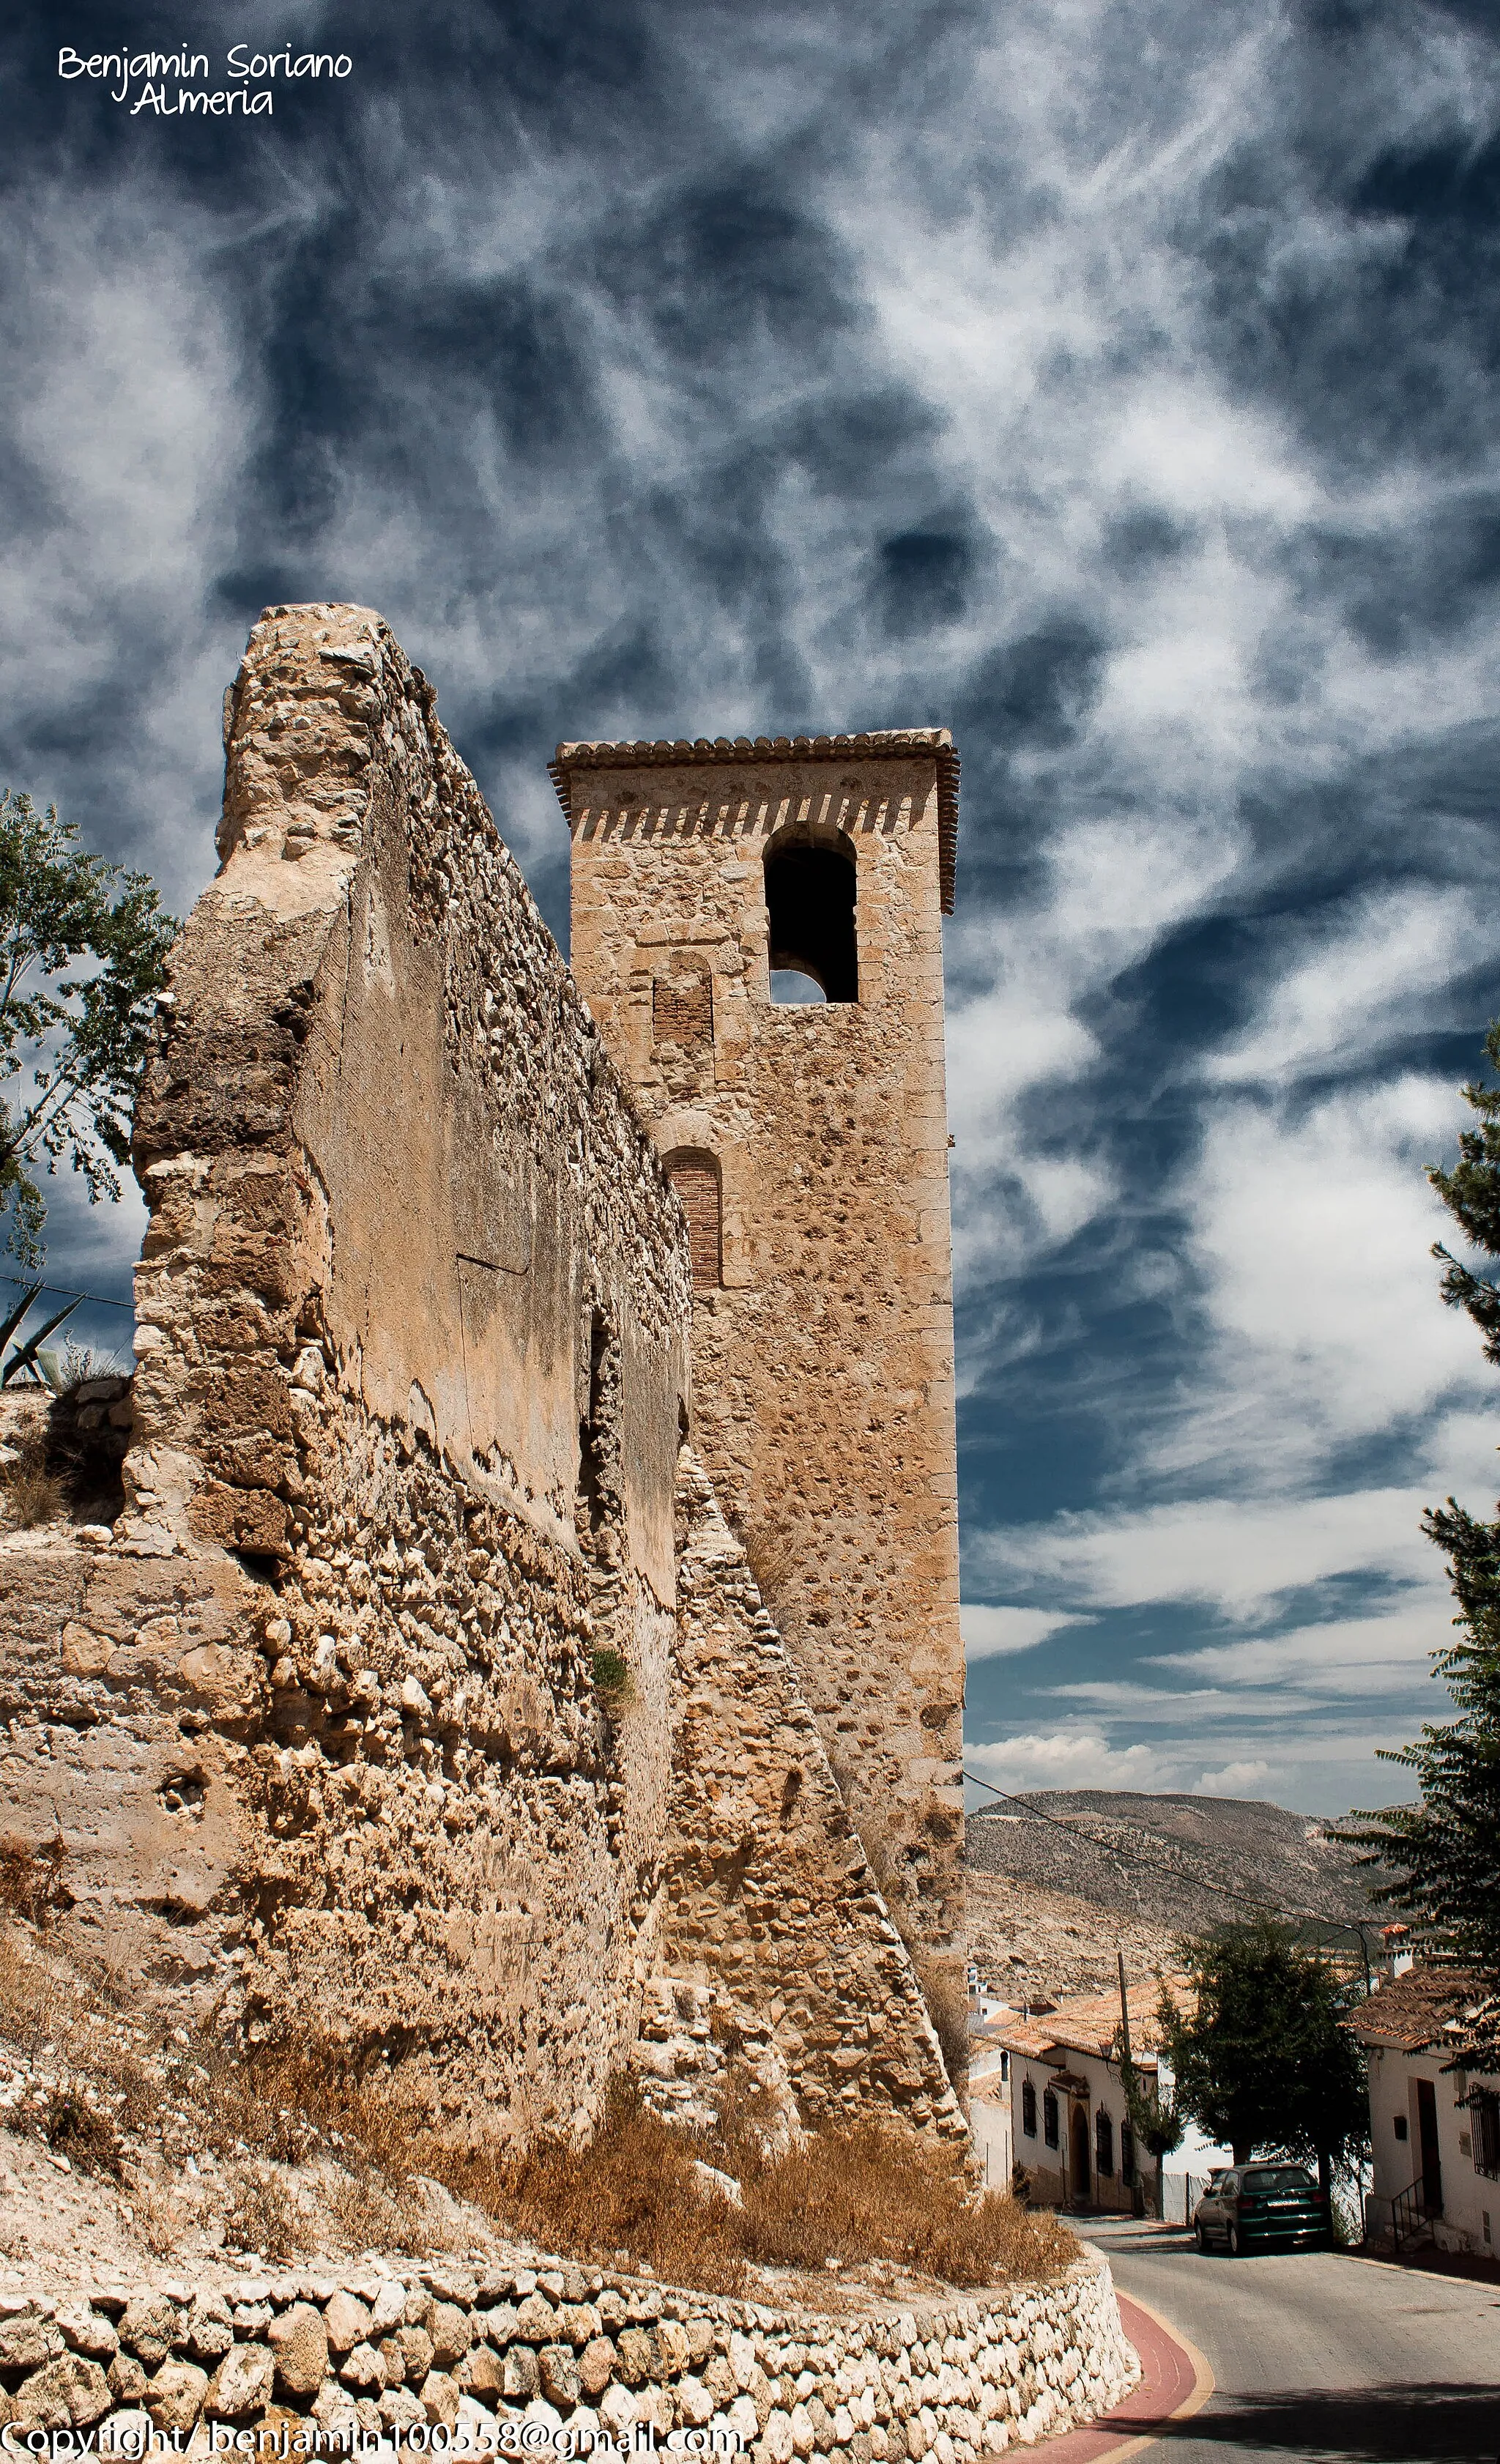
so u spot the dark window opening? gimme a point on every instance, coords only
(694, 1176)
(1104, 2146)
(1485, 2127)
(1050, 2118)
(1028, 2109)
(1127, 2156)
(809, 905)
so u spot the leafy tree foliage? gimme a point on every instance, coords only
(1266, 2063)
(83, 955)
(1445, 1851)
(1153, 2118)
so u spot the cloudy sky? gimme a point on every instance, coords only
(1115, 381)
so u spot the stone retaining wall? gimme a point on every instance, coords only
(568, 2350)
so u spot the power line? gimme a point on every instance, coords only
(66, 1291)
(1221, 1890)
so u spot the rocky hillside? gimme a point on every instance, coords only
(1032, 1945)
(1048, 1906)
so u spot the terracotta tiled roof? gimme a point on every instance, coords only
(1414, 2011)
(1087, 2024)
(680, 752)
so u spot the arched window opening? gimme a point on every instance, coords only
(1104, 2146)
(1028, 2109)
(809, 905)
(1050, 2118)
(694, 1176)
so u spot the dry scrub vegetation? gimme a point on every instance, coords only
(293, 2149)
(32, 1491)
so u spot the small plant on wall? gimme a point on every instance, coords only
(613, 1678)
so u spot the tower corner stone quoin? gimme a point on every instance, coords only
(808, 1146)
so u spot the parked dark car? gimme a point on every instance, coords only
(1255, 2207)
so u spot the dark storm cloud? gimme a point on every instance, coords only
(1119, 386)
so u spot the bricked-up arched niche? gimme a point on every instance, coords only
(693, 1174)
(809, 906)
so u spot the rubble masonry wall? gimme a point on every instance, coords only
(318, 1718)
(566, 2350)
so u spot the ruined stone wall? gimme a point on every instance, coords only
(783, 1975)
(375, 1715)
(318, 1717)
(823, 1343)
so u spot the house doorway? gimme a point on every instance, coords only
(1079, 2135)
(1427, 2137)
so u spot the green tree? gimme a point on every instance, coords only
(82, 957)
(1265, 2062)
(1445, 1851)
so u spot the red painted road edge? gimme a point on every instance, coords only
(1175, 2381)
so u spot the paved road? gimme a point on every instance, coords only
(1319, 2356)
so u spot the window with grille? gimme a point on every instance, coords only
(1050, 2118)
(1486, 2128)
(1104, 2145)
(1127, 2156)
(1028, 2109)
(694, 1176)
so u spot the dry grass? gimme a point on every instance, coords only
(30, 1878)
(853, 2196)
(34, 1495)
(632, 2195)
(634, 2189)
(630, 2198)
(260, 2215)
(867, 2194)
(75, 2128)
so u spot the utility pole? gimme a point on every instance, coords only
(1137, 2196)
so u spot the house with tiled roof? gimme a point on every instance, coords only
(1069, 2128)
(1434, 2123)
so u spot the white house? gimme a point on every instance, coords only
(989, 2101)
(1435, 2132)
(1069, 2129)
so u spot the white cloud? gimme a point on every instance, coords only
(1235, 1779)
(1366, 976)
(1237, 1553)
(1068, 1758)
(1181, 444)
(129, 410)
(993, 1633)
(1345, 1654)
(1312, 1231)
(1111, 889)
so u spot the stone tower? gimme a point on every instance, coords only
(808, 1142)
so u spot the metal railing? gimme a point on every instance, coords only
(1407, 2218)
